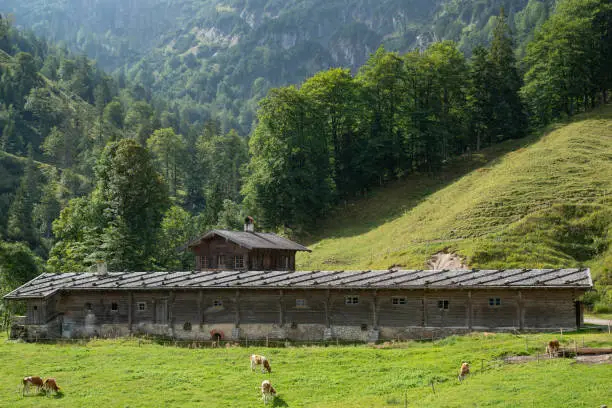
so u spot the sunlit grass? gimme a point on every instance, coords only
(126, 373)
(544, 201)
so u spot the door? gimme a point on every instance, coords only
(161, 312)
(578, 306)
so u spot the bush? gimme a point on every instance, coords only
(601, 307)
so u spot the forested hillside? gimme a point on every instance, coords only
(543, 201)
(217, 58)
(66, 130)
(127, 167)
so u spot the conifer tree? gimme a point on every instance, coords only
(509, 120)
(20, 224)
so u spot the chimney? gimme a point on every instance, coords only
(249, 224)
(101, 267)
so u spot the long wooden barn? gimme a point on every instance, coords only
(302, 305)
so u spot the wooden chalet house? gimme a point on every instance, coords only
(244, 250)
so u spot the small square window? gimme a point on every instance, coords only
(300, 302)
(141, 306)
(35, 307)
(397, 300)
(351, 300)
(217, 303)
(238, 262)
(114, 307)
(443, 304)
(494, 302)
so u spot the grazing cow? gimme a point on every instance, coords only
(267, 391)
(552, 348)
(257, 360)
(464, 371)
(51, 385)
(29, 381)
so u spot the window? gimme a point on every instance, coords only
(205, 262)
(217, 303)
(282, 262)
(351, 300)
(300, 302)
(397, 300)
(494, 302)
(114, 307)
(220, 261)
(443, 304)
(141, 306)
(35, 307)
(88, 306)
(238, 262)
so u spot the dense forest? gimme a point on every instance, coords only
(218, 58)
(98, 166)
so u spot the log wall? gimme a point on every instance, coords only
(304, 314)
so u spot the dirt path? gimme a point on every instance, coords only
(600, 322)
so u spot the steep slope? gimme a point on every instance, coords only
(219, 57)
(545, 203)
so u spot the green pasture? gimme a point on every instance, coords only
(133, 373)
(542, 201)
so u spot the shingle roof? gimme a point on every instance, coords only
(253, 240)
(49, 283)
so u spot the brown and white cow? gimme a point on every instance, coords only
(256, 360)
(51, 385)
(552, 348)
(267, 391)
(31, 381)
(463, 371)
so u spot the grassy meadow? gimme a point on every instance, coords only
(542, 201)
(126, 373)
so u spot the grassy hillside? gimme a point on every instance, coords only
(124, 373)
(543, 201)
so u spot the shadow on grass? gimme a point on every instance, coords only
(56, 395)
(279, 402)
(386, 203)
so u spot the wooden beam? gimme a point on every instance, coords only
(237, 301)
(200, 315)
(424, 307)
(327, 309)
(520, 310)
(171, 299)
(374, 310)
(130, 312)
(281, 308)
(154, 310)
(469, 311)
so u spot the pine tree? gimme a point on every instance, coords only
(20, 221)
(509, 120)
(479, 97)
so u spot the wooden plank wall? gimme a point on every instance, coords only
(549, 308)
(536, 308)
(260, 306)
(312, 313)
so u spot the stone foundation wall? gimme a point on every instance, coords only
(67, 328)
